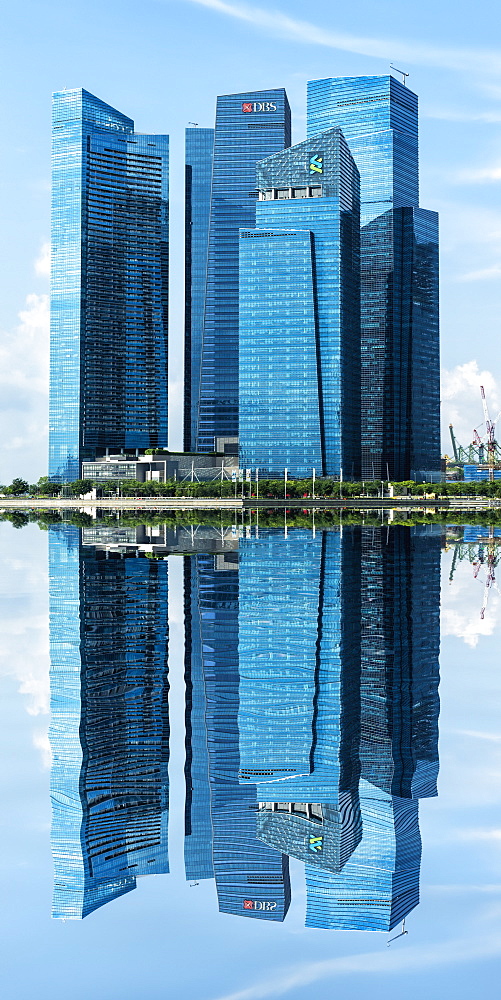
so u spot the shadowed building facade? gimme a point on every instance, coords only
(198, 173)
(110, 730)
(400, 380)
(299, 361)
(109, 285)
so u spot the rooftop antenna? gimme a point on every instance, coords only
(193, 123)
(403, 75)
(403, 932)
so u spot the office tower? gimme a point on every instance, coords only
(379, 884)
(400, 641)
(251, 879)
(399, 707)
(108, 386)
(109, 731)
(199, 153)
(299, 366)
(249, 127)
(197, 810)
(399, 274)
(299, 714)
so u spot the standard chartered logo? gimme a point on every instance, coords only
(316, 164)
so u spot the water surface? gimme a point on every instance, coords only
(268, 747)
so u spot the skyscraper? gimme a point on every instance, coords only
(379, 884)
(399, 274)
(248, 127)
(252, 879)
(299, 314)
(199, 154)
(110, 729)
(109, 291)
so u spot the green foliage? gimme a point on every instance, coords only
(17, 487)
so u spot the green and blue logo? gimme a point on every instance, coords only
(316, 164)
(316, 844)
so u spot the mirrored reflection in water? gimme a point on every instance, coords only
(311, 715)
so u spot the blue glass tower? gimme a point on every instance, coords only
(299, 358)
(400, 641)
(199, 154)
(197, 811)
(110, 730)
(379, 884)
(249, 127)
(109, 288)
(252, 879)
(299, 649)
(399, 274)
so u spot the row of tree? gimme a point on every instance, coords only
(272, 489)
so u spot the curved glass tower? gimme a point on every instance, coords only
(109, 285)
(400, 378)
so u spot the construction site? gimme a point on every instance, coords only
(480, 460)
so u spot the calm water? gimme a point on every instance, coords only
(257, 752)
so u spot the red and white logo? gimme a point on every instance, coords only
(259, 904)
(258, 106)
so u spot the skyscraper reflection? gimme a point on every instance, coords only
(311, 677)
(110, 728)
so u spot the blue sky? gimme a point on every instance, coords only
(163, 62)
(165, 940)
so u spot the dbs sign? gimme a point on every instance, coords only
(251, 106)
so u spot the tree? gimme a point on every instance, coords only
(47, 487)
(17, 487)
(81, 486)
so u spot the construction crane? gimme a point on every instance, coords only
(475, 453)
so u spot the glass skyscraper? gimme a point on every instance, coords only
(400, 418)
(199, 153)
(249, 127)
(299, 365)
(252, 879)
(109, 288)
(109, 730)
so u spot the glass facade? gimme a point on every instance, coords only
(299, 361)
(379, 884)
(249, 126)
(199, 154)
(311, 712)
(399, 274)
(400, 641)
(110, 730)
(109, 285)
(252, 880)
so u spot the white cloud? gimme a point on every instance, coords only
(24, 386)
(25, 656)
(280, 24)
(467, 624)
(42, 263)
(42, 744)
(491, 737)
(414, 957)
(479, 834)
(480, 175)
(484, 274)
(461, 401)
(453, 115)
